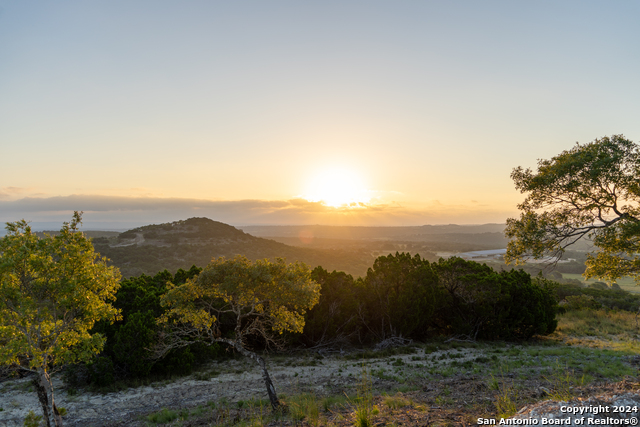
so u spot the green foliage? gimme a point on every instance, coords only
(101, 372)
(272, 297)
(163, 416)
(400, 295)
(483, 303)
(591, 191)
(52, 292)
(32, 420)
(264, 298)
(130, 340)
(404, 295)
(334, 318)
(581, 302)
(363, 414)
(132, 343)
(506, 397)
(611, 298)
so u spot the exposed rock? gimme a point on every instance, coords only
(606, 411)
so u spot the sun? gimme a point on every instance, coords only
(336, 188)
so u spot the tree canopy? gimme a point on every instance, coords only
(52, 291)
(263, 299)
(590, 191)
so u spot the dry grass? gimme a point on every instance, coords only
(619, 330)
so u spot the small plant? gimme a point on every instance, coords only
(506, 398)
(32, 420)
(164, 416)
(562, 383)
(364, 400)
(331, 401)
(396, 402)
(304, 406)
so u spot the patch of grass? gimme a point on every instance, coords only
(406, 388)
(162, 417)
(364, 401)
(598, 328)
(562, 381)
(331, 402)
(506, 397)
(304, 406)
(32, 420)
(396, 402)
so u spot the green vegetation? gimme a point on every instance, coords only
(589, 191)
(462, 320)
(52, 291)
(262, 299)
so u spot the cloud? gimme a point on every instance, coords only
(12, 192)
(115, 212)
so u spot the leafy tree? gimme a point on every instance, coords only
(483, 303)
(592, 191)
(52, 291)
(130, 339)
(334, 320)
(400, 294)
(264, 298)
(471, 290)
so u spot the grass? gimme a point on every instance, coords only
(599, 328)
(588, 349)
(626, 283)
(506, 398)
(395, 402)
(304, 407)
(563, 382)
(162, 417)
(364, 402)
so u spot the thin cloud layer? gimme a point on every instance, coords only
(112, 212)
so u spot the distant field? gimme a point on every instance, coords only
(626, 283)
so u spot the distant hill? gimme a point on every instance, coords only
(412, 233)
(455, 238)
(196, 241)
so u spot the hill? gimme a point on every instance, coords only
(196, 241)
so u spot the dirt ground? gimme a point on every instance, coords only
(425, 386)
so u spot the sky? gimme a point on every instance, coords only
(289, 112)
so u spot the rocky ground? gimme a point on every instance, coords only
(445, 387)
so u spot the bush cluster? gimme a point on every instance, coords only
(410, 297)
(127, 352)
(400, 296)
(612, 298)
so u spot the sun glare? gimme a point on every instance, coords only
(337, 188)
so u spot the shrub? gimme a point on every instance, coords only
(482, 303)
(101, 372)
(581, 302)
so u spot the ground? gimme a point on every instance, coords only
(433, 383)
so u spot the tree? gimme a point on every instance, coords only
(52, 291)
(334, 320)
(591, 191)
(399, 295)
(482, 303)
(264, 299)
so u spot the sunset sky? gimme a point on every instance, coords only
(289, 112)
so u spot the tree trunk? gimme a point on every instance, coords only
(271, 390)
(44, 389)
